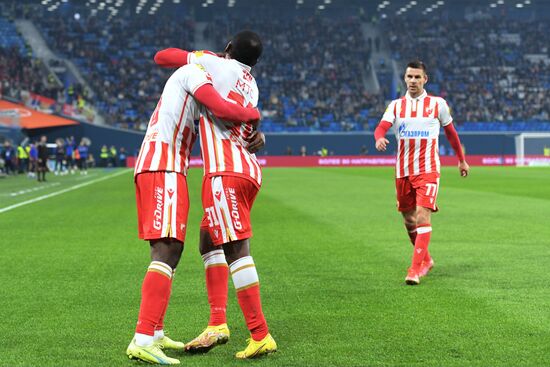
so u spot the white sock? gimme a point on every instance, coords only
(143, 340)
(159, 334)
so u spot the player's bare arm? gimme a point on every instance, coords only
(454, 140)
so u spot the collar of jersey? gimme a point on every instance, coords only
(424, 94)
(248, 68)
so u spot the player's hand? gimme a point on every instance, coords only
(464, 168)
(381, 144)
(256, 141)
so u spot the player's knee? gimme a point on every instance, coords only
(167, 251)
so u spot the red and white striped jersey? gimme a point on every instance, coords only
(171, 132)
(223, 145)
(417, 122)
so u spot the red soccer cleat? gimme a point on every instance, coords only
(425, 268)
(412, 277)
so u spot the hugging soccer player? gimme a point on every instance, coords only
(232, 179)
(417, 118)
(162, 197)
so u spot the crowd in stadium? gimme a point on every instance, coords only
(312, 73)
(116, 57)
(485, 75)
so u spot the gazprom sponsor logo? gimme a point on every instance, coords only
(404, 133)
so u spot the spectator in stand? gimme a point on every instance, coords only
(303, 151)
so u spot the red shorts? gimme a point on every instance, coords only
(162, 205)
(420, 190)
(227, 202)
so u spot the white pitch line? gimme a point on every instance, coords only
(75, 187)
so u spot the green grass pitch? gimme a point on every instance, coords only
(332, 256)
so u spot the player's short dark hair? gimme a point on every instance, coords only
(417, 64)
(246, 47)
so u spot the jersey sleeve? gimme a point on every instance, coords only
(206, 59)
(389, 115)
(192, 77)
(444, 115)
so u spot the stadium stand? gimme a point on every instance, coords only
(312, 76)
(116, 55)
(498, 73)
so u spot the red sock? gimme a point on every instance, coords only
(155, 293)
(421, 245)
(411, 231)
(160, 324)
(217, 274)
(412, 234)
(245, 279)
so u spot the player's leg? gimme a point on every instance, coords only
(411, 222)
(217, 274)
(424, 230)
(406, 204)
(409, 219)
(426, 188)
(155, 294)
(247, 284)
(162, 214)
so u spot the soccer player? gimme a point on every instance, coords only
(162, 196)
(232, 179)
(417, 118)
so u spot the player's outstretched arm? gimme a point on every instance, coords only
(452, 137)
(225, 110)
(380, 135)
(171, 58)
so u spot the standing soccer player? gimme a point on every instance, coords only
(417, 118)
(162, 196)
(232, 179)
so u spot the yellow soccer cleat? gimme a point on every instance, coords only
(167, 343)
(208, 339)
(258, 348)
(151, 354)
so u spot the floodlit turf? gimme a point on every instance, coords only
(332, 257)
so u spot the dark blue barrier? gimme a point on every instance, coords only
(278, 144)
(353, 144)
